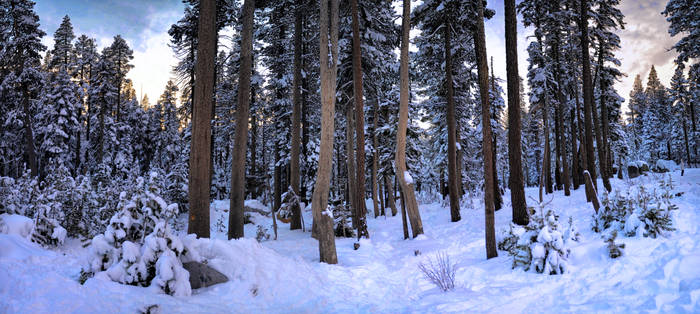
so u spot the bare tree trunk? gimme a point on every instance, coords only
(460, 158)
(547, 164)
(480, 45)
(404, 222)
(587, 89)
(601, 130)
(375, 159)
(589, 186)
(200, 158)
(452, 128)
(296, 116)
(350, 163)
(407, 191)
(29, 133)
(497, 198)
(236, 220)
(574, 151)
(515, 180)
(359, 123)
(329, 71)
(391, 196)
(561, 138)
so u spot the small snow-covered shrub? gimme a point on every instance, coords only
(615, 250)
(342, 219)
(440, 271)
(542, 245)
(262, 234)
(638, 211)
(139, 246)
(40, 202)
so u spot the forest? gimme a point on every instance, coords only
(294, 132)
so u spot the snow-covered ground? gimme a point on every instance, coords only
(660, 274)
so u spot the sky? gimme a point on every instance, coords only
(144, 24)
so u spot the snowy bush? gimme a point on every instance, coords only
(638, 211)
(342, 219)
(542, 245)
(440, 271)
(614, 250)
(139, 246)
(42, 203)
(262, 234)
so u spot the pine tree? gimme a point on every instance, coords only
(62, 52)
(21, 63)
(58, 124)
(684, 16)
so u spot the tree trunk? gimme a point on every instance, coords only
(407, 192)
(236, 219)
(515, 180)
(587, 90)
(391, 196)
(200, 158)
(497, 198)
(547, 164)
(480, 45)
(350, 163)
(589, 186)
(375, 159)
(29, 133)
(359, 123)
(460, 159)
(452, 129)
(296, 115)
(574, 151)
(329, 71)
(600, 130)
(404, 222)
(561, 134)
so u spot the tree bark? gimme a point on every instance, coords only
(359, 123)
(236, 219)
(587, 89)
(452, 128)
(350, 163)
(480, 45)
(329, 71)
(296, 115)
(200, 157)
(391, 196)
(407, 191)
(29, 133)
(515, 180)
(600, 129)
(561, 135)
(375, 159)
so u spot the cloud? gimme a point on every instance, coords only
(153, 58)
(645, 42)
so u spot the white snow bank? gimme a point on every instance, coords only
(256, 205)
(17, 224)
(666, 165)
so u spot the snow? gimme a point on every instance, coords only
(382, 276)
(16, 224)
(407, 176)
(666, 165)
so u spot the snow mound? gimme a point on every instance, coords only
(665, 165)
(18, 225)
